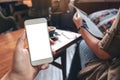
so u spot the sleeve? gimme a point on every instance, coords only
(111, 41)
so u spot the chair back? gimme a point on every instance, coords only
(7, 23)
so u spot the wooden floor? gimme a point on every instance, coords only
(53, 73)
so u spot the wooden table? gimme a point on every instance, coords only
(8, 42)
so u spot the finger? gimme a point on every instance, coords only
(76, 14)
(44, 66)
(20, 41)
(53, 52)
(52, 42)
(75, 17)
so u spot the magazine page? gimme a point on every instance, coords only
(104, 18)
(92, 28)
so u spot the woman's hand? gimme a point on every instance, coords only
(77, 20)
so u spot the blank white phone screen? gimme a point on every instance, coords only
(38, 41)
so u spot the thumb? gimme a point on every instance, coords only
(20, 41)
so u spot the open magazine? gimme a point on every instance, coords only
(92, 28)
(97, 22)
(104, 18)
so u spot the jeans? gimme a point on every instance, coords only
(86, 54)
(82, 56)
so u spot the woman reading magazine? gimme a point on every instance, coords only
(99, 58)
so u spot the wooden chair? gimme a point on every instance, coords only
(7, 23)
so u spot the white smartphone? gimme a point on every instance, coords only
(38, 41)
